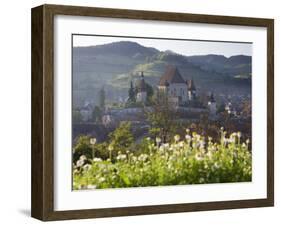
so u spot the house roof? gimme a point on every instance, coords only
(171, 75)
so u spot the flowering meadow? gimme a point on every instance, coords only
(192, 159)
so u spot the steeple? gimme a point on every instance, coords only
(191, 85)
(191, 90)
(141, 89)
(212, 98)
(141, 84)
(212, 105)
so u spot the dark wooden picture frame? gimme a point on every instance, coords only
(42, 203)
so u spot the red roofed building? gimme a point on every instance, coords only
(175, 87)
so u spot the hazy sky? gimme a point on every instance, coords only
(179, 46)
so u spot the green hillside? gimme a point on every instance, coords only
(114, 65)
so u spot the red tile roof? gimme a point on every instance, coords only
(171, 75)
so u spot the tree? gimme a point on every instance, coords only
(96, 114)
(121, 138)
(102, 98)
(149, 93)
(82, 147)
(76, 117)
(221, 108)
(246, 109)
(161, 120)
(131, 93)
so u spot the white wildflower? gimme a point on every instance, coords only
(216, 165)
(181, 144)
(209, 154)
(93, 141)
(143, 157)
(97, 160)
(172, 158)
(161, 149)
(201, 144)
(87, 167)
(75, 171)
(158, 140)
(231, 139)
(212, 148)
(110, 147)
(83, 157)
(102, 179)
(198, 157)
(121, 157)
(226, 140)
(134, 158)
(177, 138)
(80, 163)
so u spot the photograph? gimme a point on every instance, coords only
(150, 111)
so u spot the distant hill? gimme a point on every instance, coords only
(154, 67)
(232, 66)
(123, 48)
(114, 65)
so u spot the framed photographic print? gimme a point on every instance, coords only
(141, 112)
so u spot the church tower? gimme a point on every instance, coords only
(173, 86)
(212, 105)
(191, 90)
(141, 89)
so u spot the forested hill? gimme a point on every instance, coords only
(114, 65)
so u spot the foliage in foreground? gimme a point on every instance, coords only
(188, 161)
